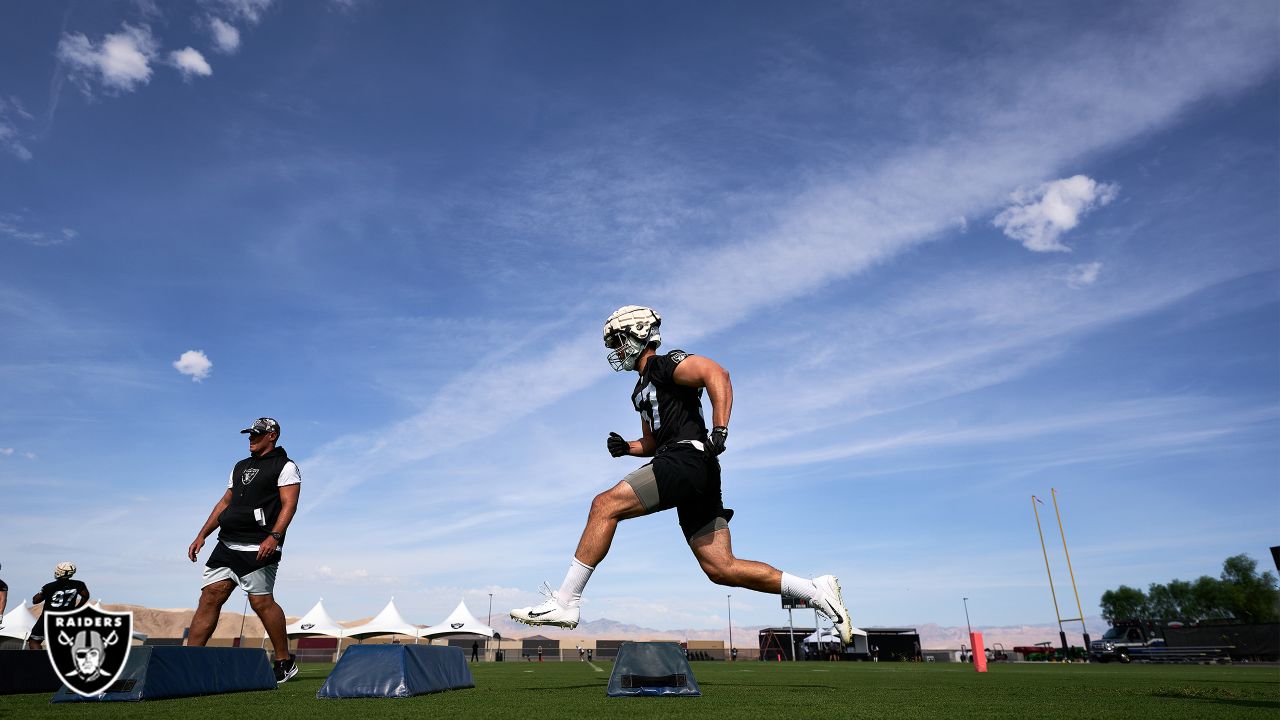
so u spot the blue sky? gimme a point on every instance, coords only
(953, 257)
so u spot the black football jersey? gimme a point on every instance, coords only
(673, 412)
(61, 594)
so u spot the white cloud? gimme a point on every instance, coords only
(6, 451)
(194, 363)
(190, 62)
(1084, 274)
(29, 455)
(225, 36)
(122, 61)
(1039, 217)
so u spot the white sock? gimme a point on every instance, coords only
(800, 588)
(575, 581)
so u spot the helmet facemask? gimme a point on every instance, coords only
(628, 332)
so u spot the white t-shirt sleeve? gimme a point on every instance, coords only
(289, 474)
(231, 479)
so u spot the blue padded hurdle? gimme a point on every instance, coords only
(154, 672)
(396, 671)
(652, 669)
(27, 671)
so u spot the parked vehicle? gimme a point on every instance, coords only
(1121, 639)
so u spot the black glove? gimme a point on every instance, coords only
(719, 434)
(618, 446)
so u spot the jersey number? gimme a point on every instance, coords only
(62, 598)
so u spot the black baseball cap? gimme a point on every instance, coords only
(262, 426)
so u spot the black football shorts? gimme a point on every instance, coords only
(683, 477)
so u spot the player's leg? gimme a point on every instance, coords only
(705, 523)
(618, 503)
(219, 582)
(622, 501)
(714, 551)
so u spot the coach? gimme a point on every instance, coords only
(252, 516)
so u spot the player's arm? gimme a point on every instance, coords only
(82, 595)
(646, 445)
(223, 503)
(4, 600)
(698, 371)
(37, 598)
(288, 508)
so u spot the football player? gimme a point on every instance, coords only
(61, 594)
(684, 474)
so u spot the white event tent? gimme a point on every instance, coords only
(829, 635)
(459, 622)
(387, 622)
(18, 622)
(317, 621)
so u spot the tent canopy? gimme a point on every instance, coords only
(17, 623)
(317, 621)
(459, 622)
(829, 635)
(387, 622)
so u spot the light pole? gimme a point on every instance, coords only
(729, 600)
(966, 616)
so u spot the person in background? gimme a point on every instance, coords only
(60, 595)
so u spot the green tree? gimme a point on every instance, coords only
(1240, 594)
(1248, 596)
(1124, 602)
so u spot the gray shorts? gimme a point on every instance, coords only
(259, 582)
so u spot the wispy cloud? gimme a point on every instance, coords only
(840, 226)
(10, 138)
(1084, 274)
(195, 364)
(13, 227)
(250, 11)
(1038, 218)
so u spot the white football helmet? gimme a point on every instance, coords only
(627, 332)
(64, 570)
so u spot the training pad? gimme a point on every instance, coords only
(27, 671)
(394, 671)
(652, 669)
(154, 672)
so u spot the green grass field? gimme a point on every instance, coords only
(758, 690)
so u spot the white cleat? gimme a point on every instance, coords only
(830, 602)
(550, 612)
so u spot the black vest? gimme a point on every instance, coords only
(253, 488)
